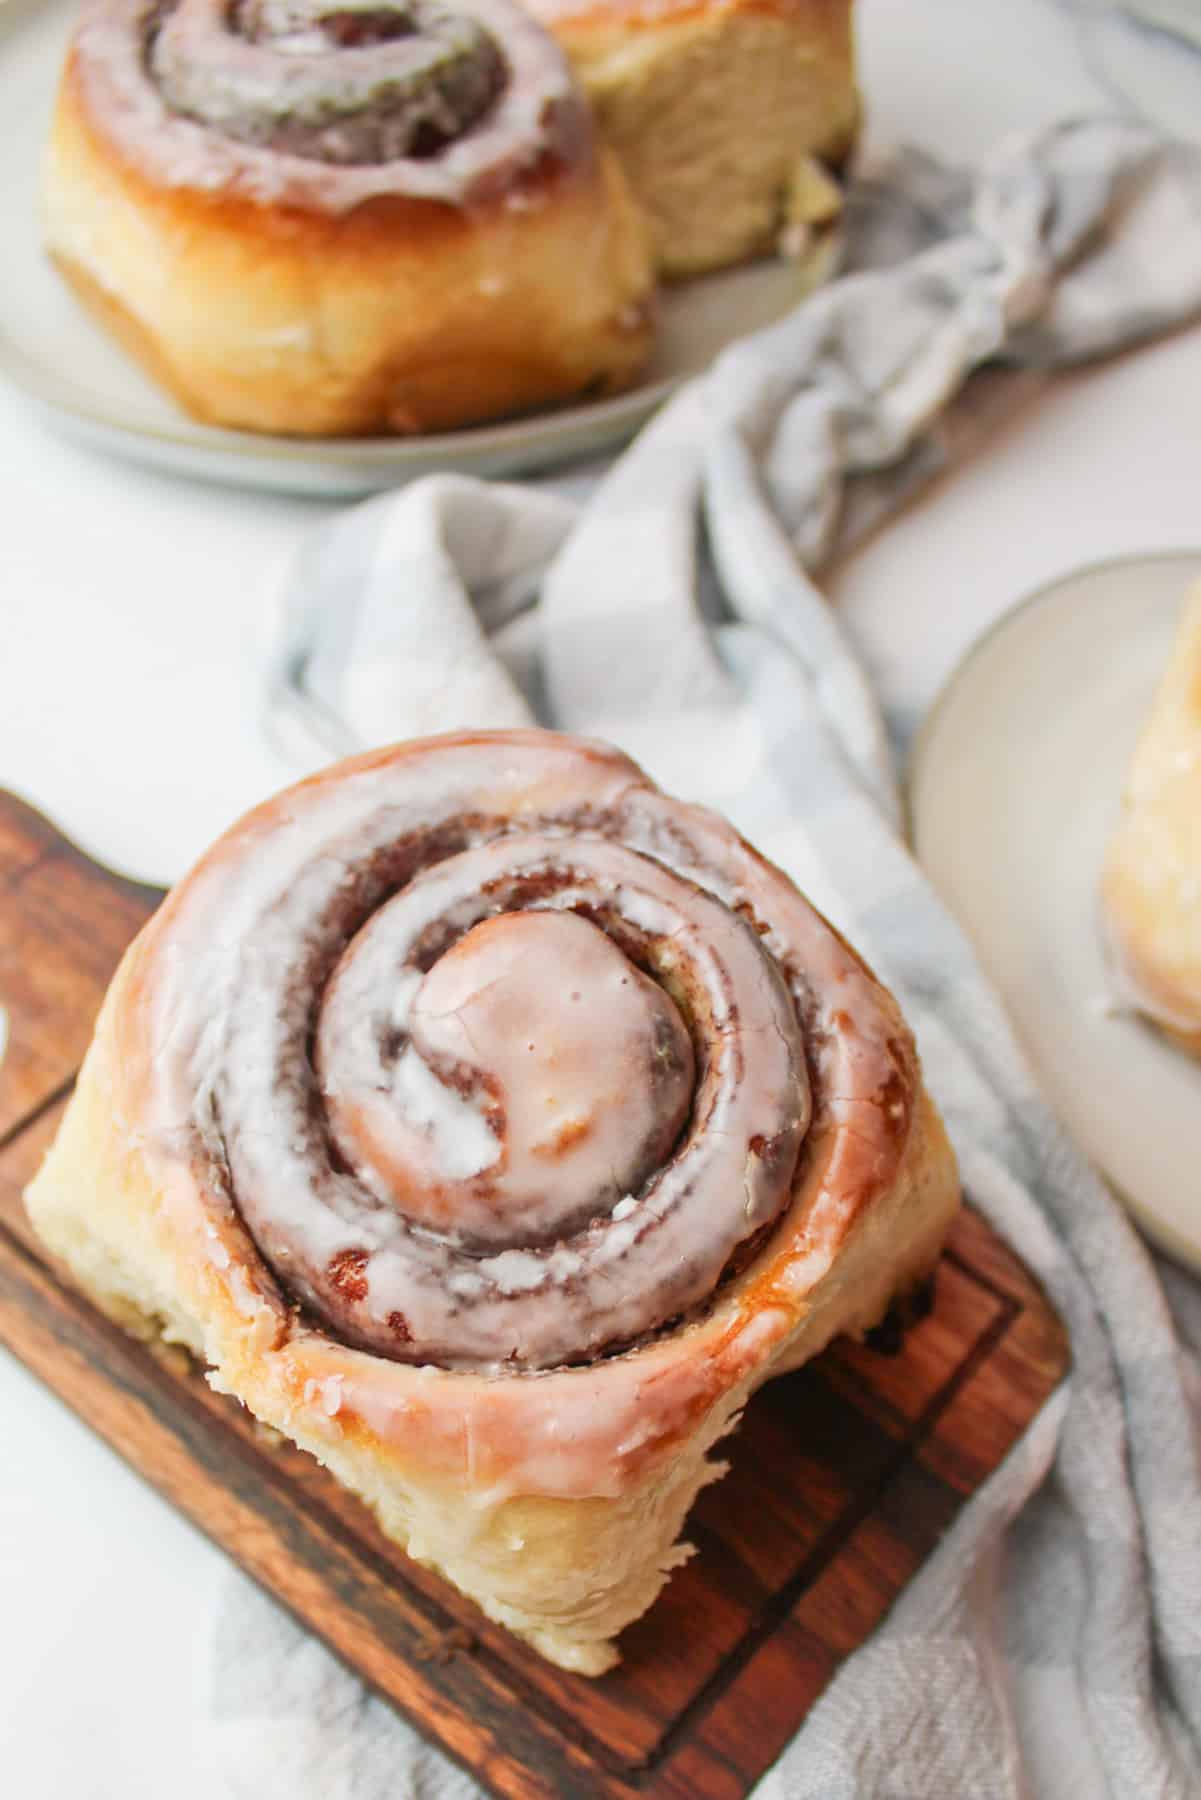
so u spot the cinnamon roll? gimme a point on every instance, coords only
(1151, 887)
(729, 116)
(492, 1125)
(344, 216)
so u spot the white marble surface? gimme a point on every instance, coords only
(130, 607)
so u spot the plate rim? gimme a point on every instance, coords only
(614, 414)
(1162, 1235)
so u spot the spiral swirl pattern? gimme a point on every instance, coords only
(327, 104)
(503, 1058)
(365, 81)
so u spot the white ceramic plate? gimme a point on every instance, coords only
(1015, 787)
(52, 349)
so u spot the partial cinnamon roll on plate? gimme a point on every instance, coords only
(58, 355)
(1016, 800)
(728, 116)
(330, 221)
(492, 1125)
(1151, 885)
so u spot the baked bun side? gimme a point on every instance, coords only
(516, 1302)
(1151, 887)
(274, 292)
(565, 1572)
(722, 112)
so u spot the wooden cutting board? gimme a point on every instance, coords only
(844, 1476)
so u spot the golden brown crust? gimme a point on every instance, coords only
(826, 22)
(399, 314)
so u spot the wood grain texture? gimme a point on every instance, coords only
(843, 1476)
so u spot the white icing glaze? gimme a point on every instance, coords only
(359, 1249)
(540, 113)
(446, 1134)
(523, 1000)
(286, 76)
(575, 1433)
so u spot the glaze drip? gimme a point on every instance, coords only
(345, 84)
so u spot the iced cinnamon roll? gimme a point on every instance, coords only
(492, 1125)
(322, 218)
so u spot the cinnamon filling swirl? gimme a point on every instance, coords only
(354, 83)
(503, 1058)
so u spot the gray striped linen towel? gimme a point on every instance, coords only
(1052, 1645)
